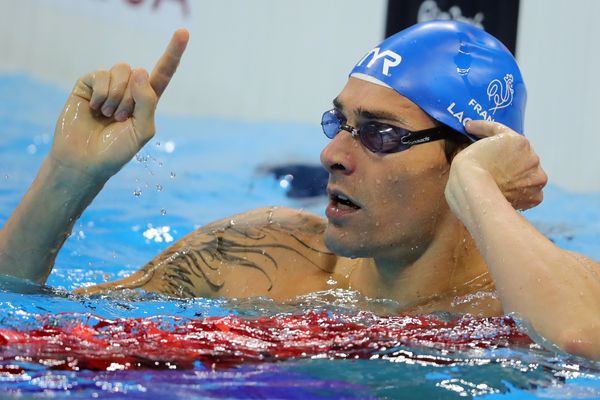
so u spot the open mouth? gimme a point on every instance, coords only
(341, 200)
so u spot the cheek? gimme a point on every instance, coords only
(409, 198)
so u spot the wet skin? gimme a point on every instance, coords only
(401, 195)
(418, 231)
(403, 242)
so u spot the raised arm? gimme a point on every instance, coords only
(107, 119)
(556, 291)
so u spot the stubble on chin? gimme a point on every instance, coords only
(341, 243)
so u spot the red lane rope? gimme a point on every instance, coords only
(228, 341)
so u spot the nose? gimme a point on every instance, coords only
(339, 154)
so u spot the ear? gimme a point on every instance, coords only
(455, 146)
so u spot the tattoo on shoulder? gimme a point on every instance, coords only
(203, 254)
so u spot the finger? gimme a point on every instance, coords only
(539, 179)
(483, 129)
(534, 199)
(145, 103)
(167, 64)
(98, 81)
(119, 78)
(83, 87)
(524, 199)
(125, 108)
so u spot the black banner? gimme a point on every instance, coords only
(498, 17)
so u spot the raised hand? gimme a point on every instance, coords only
(109, 115)
(510, 160)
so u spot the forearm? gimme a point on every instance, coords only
(35, 232)
(558, 292)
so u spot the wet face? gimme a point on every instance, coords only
(383, 205)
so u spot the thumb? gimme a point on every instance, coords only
(145, 103)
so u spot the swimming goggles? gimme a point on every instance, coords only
(379, 137)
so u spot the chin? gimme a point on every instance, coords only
(341, 244)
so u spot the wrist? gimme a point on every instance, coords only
(62, 174)
(469, 189)
(465, 172)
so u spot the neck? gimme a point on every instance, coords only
(450, 265)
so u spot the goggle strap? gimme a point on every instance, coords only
(427, 135)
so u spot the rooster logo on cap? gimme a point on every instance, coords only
(501, 95)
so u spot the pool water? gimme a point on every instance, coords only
(193, 172)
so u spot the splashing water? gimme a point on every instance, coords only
(63, 342)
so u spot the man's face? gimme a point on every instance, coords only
(400, 195)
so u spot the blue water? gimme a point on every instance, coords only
(199, 170)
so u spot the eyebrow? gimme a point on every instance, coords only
(373, 114)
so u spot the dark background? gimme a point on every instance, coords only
(498, 17)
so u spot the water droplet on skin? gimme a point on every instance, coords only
(231, 222)
(378, 181)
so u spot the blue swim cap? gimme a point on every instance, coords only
(454, 71)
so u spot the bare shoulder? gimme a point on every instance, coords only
(591, 265)
(277, 252)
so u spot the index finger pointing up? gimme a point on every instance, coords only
(167, 64)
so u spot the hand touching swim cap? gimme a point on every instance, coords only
(502, 156)
(454, 71)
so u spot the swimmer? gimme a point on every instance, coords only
(427, 167)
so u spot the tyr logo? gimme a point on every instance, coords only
(390, 59)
